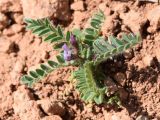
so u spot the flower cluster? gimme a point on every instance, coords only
(67, 51)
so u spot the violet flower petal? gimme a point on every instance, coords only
(65, 47)
(67, 53)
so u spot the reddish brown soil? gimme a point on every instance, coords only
(136, 72)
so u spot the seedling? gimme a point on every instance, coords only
(85, 49)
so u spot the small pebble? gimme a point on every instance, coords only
(128, 54)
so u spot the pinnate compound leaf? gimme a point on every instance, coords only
(105, 49)
(87, 85)
(39, 73)
(92, 33)
(44, 28)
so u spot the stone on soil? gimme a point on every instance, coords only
(134, 20)
(15, 28)
(78, 6)
(18, 18)
(154, 19)
(128, 54)
(16, 73)
(24, 106)
(6, 100)
(111, 86)
(120, 78)
(123, 94)
(46, 8)
(122, 115)
(147, 59)
(111, 25)
(28, 110)
(3, 21)
(22, 94)
(10, 6)
(52, 107)
(6, 46)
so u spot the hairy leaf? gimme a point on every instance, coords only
(87, 85)
(44, 28)
(39, 73)
(105, 49)
(92, 33)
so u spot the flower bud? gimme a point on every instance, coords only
(73, 40)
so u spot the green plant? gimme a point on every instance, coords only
(83, 48)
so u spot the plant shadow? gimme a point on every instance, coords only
(137, 83)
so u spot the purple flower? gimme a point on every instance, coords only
(65, 47)
(67, 53)
(73, 40)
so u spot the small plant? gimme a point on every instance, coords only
(85, 49)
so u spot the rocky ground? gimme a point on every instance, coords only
(136, 71)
